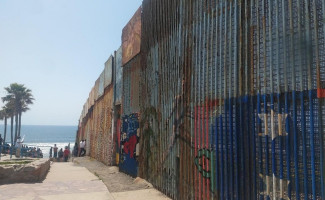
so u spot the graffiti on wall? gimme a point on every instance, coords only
(129, 144)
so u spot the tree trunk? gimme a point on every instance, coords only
(16, 127)
(5, 131)
(19, 125)
(12, 130)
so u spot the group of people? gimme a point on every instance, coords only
(20, 149)
(60, 154)
(32, 152)
(78, 151)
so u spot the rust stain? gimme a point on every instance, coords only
(131, 38)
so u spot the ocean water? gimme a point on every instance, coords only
(44, 137)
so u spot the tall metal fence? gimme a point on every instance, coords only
(232, 98)
(130, 132)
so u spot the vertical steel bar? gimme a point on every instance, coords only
(252, 97)
(222, 159)
(294, 106)
(202, 104)
(265, 109)
(195, 101)
(224, 99)
(198, 103)
(231, 190)
(309, 55)
(201, 96)
(195, 146)
(220, 106)
(217, 155)
(247, 126)
(279, 93)
(210, 145)
(321, 131)
(274, 189)
(286, 109)
(319, 87)
(321, 128)
(279, 135)
(207, 90)
(235, 99)
(259, 121)
(216, 99)
(239, 109)
(303, 117)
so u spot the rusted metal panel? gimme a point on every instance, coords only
(130, 132)
(253, 70)
(223, 102)
(101, 84)
(98, 130)
(131, 86)
(108, 71)
(118, 77)
(91, 97)
(131, 37)
(96, 89)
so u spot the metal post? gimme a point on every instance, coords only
(220, 102)
(237, 175)
(309, 55)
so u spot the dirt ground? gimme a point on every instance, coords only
(114, 180)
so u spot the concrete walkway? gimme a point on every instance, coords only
(71, 181)
(120, 185)
(65, 181)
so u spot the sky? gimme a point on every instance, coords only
(57, 48)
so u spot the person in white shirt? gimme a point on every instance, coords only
(82, 148)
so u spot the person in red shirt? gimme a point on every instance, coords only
(66, 154)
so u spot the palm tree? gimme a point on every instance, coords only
(2, 117)
(20, 97)
(11, 112)
(5, 113)
(24, 108)
(26, 98)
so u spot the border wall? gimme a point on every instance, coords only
(216, 99)
(96, 121)
(232, 98)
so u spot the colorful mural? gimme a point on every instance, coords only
(129, 144)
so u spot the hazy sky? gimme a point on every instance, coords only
(58, 48)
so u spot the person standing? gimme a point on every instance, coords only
(55, 150)
(75, 150)
(82, 148)
(66, 154)
(51, 149)
(60, 154)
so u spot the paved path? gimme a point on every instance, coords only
(120, 185)
(71, 181)
(65, 181)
